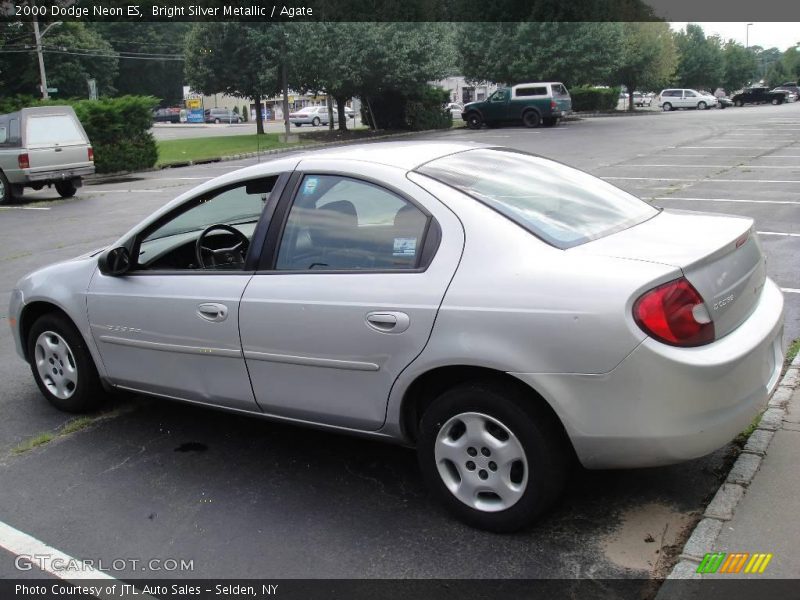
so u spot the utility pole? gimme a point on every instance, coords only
(39, 36)
(42, 74)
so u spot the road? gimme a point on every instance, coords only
(249, 498)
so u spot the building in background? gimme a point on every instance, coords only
(462, 91)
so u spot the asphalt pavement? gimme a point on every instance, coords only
(244, 497)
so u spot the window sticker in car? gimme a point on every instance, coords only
(405, 246)
(310, 186)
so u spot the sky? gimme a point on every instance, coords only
(766, 35)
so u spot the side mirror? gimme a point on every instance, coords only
(115, 261)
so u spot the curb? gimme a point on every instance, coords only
(723, 505)
(91, 179)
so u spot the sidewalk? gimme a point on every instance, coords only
(757, 509)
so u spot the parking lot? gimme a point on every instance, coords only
(246, 498)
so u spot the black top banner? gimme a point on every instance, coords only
(399, 10)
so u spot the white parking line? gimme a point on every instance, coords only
(709, 180)
(723, 147)
(705, 166)
(184, 178)
(74, 570)
(736, 200)
(790, 290)
(142, 191)
(23, 208)
(778, 233)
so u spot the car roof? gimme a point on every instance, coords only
(406, 155)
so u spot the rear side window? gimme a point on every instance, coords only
(3, 134)
(559, 90)
(561, 205)
(338, 223)
(52, 129)
(531, 91)
(671, 93)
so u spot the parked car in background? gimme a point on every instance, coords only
(724, 102)
(349, 112)
(312, 115)
(501, 312)
(455, 109)
(671, 99)
(538, 103)
(43, 146)
(167, 115)
(758, 95)
(789, 86)
(791, 95)
(221, 115)
(640, 99)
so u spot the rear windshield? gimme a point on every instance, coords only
(561, 205)
(53, 129)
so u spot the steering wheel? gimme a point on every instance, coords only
(222, 256)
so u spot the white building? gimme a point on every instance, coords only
(462, 91)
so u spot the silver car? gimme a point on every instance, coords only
(500, 312)
(312, 115)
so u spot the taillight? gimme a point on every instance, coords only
(674, 313)
(90, 153)
(23, 161)
(553, 105)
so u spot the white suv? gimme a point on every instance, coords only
(685, 98)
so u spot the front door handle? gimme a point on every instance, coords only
(212, 311)
(388, 321)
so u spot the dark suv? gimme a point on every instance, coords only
(758, 95)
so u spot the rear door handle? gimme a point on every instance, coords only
(212, 311)
(388, 321)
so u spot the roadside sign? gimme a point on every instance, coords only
(52, 90)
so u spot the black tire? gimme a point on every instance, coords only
(474, 120)
(10, 192)
(531, 119)
(87, 393)
(666, 107)
(315, 121)
(738, 103)
(550, 121)
(297, 124)
(217, 121)
(534, 428)
(776, 101)
(702, 105)
(66, 189)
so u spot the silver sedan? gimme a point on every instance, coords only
(500, 312)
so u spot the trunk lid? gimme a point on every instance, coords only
(719, 255)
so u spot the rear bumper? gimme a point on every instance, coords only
(27, 176)
(664, 404)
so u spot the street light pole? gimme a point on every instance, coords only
(747, 36)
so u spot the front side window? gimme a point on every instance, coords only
(563, 206)
(498, 96)
(233, 212)
(339, 223)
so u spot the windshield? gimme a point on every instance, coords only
(563, 206)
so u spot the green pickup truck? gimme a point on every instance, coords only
(540, 103)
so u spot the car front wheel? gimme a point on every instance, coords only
(666, 107)
(62, 366)
(494, 458)
(474, 120)
(315, 122)
(701, 106)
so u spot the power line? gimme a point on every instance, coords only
(96, 55)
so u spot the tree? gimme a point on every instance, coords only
(700, 58)
(739, 64)
(575, 53)
(142, 72)
(367, 59)
(73, 54)
(648, 58)
(241, 59)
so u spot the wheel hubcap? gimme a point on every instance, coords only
(56, 365)
(481, 462)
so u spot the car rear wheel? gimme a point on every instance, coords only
(738, 103)
(8, 192)
(315, 122)
(217, 121)
(474, 120)
(776, 101)
(494, 458)
(701, 105)
(66, 189)
(62, 366)
(531, 119)
(666, 107)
